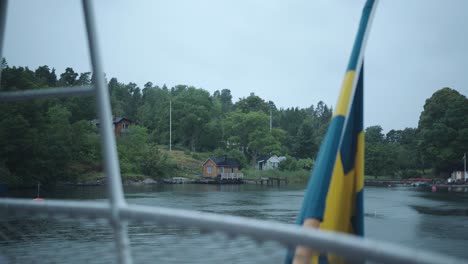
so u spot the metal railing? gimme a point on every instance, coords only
(118, 212)
(108, 144)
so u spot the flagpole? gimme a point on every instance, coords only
(464, 166)
(170, 125)
(313, 210)
(271, 121)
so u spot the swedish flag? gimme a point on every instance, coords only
(334, 195)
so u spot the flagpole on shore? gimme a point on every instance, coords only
(464, 166)
(170, 125)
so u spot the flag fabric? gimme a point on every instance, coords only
(334, 194)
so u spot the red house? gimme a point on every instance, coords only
(223, 167)
(120, 125)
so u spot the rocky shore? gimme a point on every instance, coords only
(102, 181)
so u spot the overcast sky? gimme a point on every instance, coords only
(291, 52)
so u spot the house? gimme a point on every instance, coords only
(260, 162)
(273, 162)
(459, 175)
(119, 124)
(221, 166)
(269, 162)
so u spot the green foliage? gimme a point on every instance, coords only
(443, 130)
(290, 164)
(374, 135)
(191, 107)
(306, 164)
(132, 148)
(252, 103)
(156, 164)
(52, 140)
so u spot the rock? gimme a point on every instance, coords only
(149, 181)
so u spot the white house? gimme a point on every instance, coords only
(273, 162)
(459, 175)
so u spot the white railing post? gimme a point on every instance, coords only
(111, 160)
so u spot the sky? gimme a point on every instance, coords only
(293, 52)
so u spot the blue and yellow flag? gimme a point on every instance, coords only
(334, 195)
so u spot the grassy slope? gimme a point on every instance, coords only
(188, 164)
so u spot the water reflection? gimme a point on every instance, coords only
(416, 219)
(441, 211)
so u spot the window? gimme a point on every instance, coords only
(209, 169)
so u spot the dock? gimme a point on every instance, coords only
(223, 178)
(176, 180)
(451, 187)
(271, 180)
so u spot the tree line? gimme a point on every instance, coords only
(52, 139)
(435, 147)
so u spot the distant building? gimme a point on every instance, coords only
(459, 175)
(269, 162)
(260, 163)
(119, 124)
(220, 166)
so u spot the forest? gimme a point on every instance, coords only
(53, 140)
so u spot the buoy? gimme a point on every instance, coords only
(434, 188)
(389, 186)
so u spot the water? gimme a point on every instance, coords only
(415, 219)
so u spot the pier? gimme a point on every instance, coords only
(223, 178)
(176, 180)
(271, 180)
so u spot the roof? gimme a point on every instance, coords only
(223, 161)
(275, 158)
(262, 159)
(115, 120)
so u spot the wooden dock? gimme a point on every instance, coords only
(223, 178)
(271, 180)
(450, 187)
(176, 180)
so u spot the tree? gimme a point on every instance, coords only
(250, 133)
(443, 130)
(3, 64)
(252, 103)
(131, 148)
(375, 152)
(306, 146)
(374, 135)
(84, 79)
(226, 100)
(19, 78)
(68, 78)
(394, 136)
(156, 164)
(191, 111)
(47, 77)
(148, 85)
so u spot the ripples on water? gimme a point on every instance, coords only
(431, 221)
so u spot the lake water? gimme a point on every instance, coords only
(415, 219)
